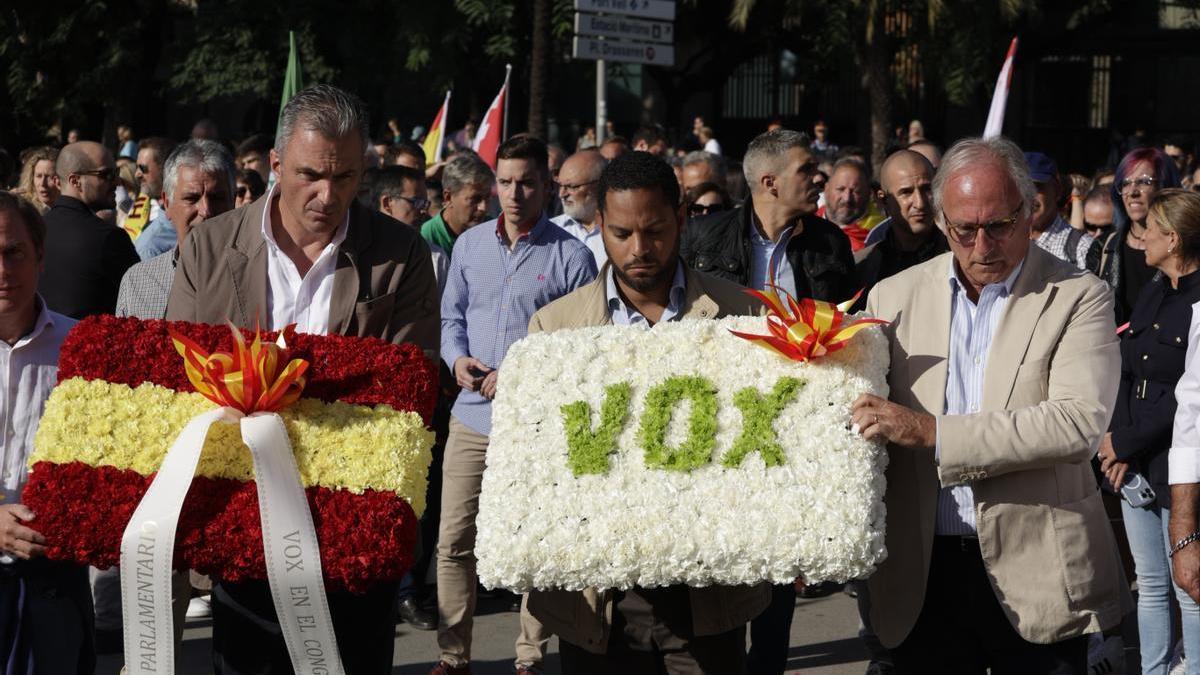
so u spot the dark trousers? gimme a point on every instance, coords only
(652, 635)
(46, 619)
(771, 632)
(962, 630)
(431, 518)
(247, 639)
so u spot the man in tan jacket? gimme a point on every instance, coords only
(674, 629)
(1003, 378)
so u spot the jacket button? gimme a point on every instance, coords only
(1155, 326)
(704, 313)
(1178, 340)
(1145, 357)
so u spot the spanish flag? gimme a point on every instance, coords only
(358, 431)
(435, 140)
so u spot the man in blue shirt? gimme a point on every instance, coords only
(501, 272)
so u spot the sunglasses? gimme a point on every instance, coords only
(143, 168)
(242, 191)
(704, 209)
(418, 203)
(105, 174)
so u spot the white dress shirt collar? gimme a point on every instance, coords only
(292, 298)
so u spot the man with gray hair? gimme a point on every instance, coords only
(1005, 369)
(198, 181)
(467, 183)
(578, 180)
(309, 253)
(774, 236)
(702, 167)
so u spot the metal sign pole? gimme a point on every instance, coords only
(601, 102)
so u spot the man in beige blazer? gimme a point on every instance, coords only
(1003, 377)
(308, 253)
(675, 629)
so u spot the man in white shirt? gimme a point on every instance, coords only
(309, 253)
(577, 181)
(33, 590)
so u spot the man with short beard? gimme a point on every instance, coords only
(85, 256)
(577, 181)
(910, 236)
(848, 202)
(676, 629)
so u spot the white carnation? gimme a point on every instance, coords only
(819, 515)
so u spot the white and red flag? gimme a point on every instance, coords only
(995, 119)
(494, 126)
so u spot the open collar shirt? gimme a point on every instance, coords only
(28, 371)
(292, 298)
(972, 327)
(492, 290)
(625, 315)
(769, 263)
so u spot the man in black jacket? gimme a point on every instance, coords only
(774, 236)
(85, 256)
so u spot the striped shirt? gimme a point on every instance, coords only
(492, 291)
(972, 326)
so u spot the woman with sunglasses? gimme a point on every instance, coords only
(707, 198)
(1140, 175)
(250, 186)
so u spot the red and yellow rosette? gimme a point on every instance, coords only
(802, 330)
(358, 433)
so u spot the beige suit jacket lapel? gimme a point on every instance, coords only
(932, 314)
(1016, 328)
(594, 305)
(247, 265)
(696, 302)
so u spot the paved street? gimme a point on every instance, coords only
(824, 642)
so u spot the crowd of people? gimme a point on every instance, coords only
(1042, 375)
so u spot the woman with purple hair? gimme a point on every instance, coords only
(1141, 174)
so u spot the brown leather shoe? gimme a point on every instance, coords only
(443, 668)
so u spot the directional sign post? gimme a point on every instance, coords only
(626, 31)
(624, 52)
(646, 9)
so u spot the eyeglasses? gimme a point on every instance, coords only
(1096, 227)
(1142, 183)
(105, 174)
(242, 191)
(418, 203)
(997, 230)
(144, 168)
(705, 209)
(577, 186)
